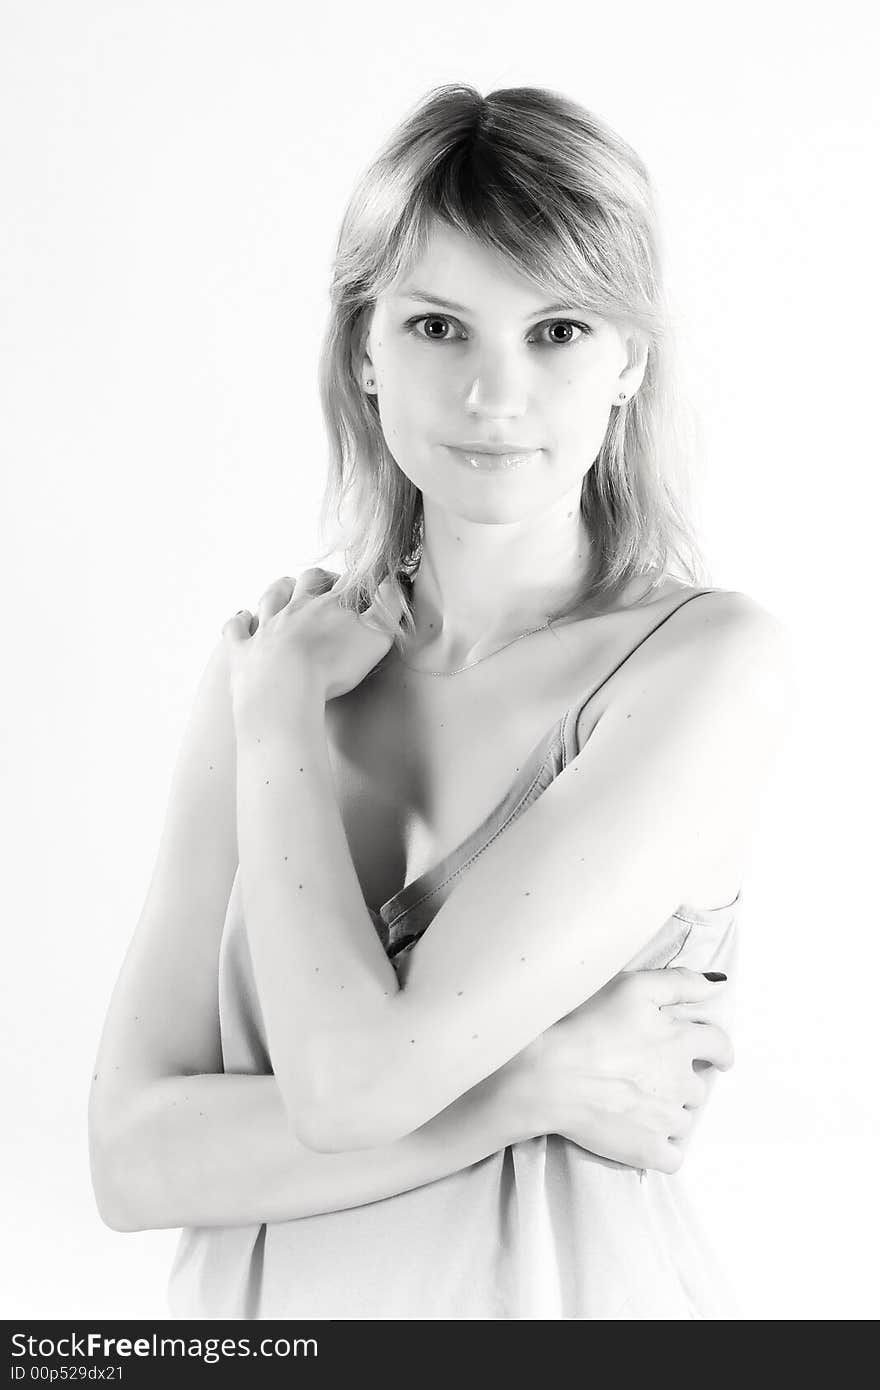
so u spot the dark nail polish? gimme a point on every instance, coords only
(714, 975)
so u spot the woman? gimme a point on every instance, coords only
(510, 705)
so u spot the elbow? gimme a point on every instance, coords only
(116, 1218)
(320, 1132)
(124, 1170)
(337, 1101)
(338, 1127)
(112, 1194)
(343, 1121)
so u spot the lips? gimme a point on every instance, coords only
(495, 461)
(473, 446)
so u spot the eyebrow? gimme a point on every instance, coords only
(414, 293)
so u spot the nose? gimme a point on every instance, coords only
(498, 388)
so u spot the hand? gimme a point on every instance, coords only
(617, 1075)
(303, 641)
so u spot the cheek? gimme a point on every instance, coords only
(411, 394)
(401, 418)
(413, 378)
(580, 402)
(580, 421)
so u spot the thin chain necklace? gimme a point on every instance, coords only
(470, 664)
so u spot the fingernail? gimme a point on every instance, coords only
(714, 975)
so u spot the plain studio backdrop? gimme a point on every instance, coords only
(172, 179)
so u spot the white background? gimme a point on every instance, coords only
(172, 179)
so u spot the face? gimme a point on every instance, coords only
(463, 350)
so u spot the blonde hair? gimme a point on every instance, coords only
(553, 189)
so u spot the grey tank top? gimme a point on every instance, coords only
(540, 1229)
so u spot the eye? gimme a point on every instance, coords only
(433, 320)
(582, 328)
(441, 321)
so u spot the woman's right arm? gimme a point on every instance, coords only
(174, 1140)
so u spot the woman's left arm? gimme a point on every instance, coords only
(671, 776)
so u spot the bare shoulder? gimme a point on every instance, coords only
(706, 702)
(727, 638)
(715, 673)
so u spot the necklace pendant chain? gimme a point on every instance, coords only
(470, 664)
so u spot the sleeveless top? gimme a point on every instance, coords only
(540, 1229)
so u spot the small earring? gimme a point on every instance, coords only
(622, 396)
(369, 381)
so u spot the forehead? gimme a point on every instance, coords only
(457, 265)
(456, 272)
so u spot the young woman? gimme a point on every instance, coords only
(518, 718)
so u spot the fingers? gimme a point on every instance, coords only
(386, 610)
(666, 1156)
(681, 1123)
(309, 584)
(709, 1043)
(273, 599)
(239, 625)
(676, 984)
(312, 581)
(695, 1092)
(710, 1010)
(386, 602)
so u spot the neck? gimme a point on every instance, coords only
(479, 585)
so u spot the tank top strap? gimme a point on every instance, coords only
(407, 913)
(571, 719)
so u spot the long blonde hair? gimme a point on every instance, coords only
(552, 188)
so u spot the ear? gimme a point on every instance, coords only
(361, 362)
(632, 375)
